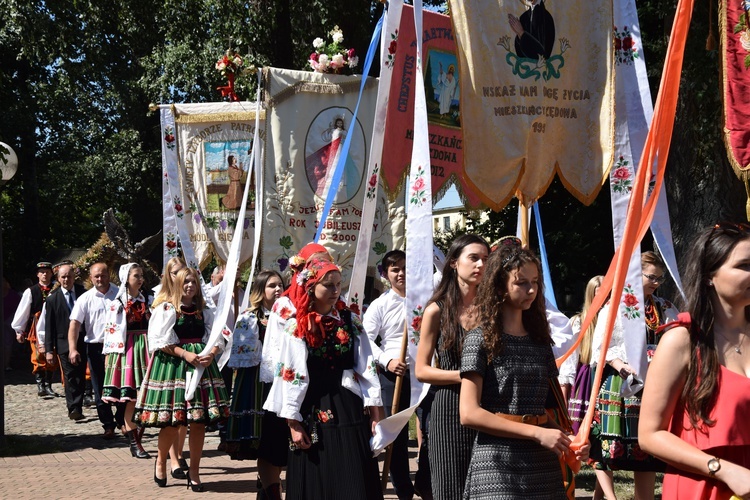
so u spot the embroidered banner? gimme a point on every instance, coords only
(734, 20)
(209, 145)
(537, 93)
(309, 116)
(441, 83)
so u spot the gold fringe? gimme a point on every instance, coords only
(747, 204)
(318, 88)
(217, 117)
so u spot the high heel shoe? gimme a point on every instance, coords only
(178, 473)
(161, 483)
(196, 487)
(183, 464)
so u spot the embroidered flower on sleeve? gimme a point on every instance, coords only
(324, 416)
(289, 374)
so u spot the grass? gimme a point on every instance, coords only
(624, 488)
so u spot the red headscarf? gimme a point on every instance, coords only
(302, 289)
(297, 263)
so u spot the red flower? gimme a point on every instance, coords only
(416, 323)
(373, 180)
(169, 138)
(287, 374)
(350, 53)
(627, 43)
(323, 416)
(621, 173)
(342, 336)
(285, 313)
(392, 47)
(354, 308)
(418, 184)
(618, 44)
(615, 449)
(630, 300)
(314, 56)
(171, 244)
(178, 207)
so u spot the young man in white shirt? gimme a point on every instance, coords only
(385, 318)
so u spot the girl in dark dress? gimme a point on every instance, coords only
(446, 318)
(325, 378)
(507, 368)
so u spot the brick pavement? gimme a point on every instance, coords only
(85, 466)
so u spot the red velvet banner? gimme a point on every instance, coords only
(735, 63)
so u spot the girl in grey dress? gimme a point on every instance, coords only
(506, 369)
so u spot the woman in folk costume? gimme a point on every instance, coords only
(697, 396)
(614, 432)
(126, 347)
(323, 381)
(274, 440)
(246, 414)
(177, 334)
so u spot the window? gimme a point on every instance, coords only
(446, 223)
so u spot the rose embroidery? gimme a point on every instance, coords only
(629, 299)
(324, 416)
(622, 177)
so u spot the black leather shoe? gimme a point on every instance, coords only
(179, 473)
(161, 483)
(88, 401)
(76, 415)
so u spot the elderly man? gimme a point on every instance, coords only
(25, 322)
(89, 311)
(56, 313)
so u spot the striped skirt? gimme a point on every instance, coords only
(245, 415)
(124, 372)
(162, 403)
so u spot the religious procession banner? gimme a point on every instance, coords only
(734, 21)
(442, 94)
(309, 116)
(207, 155)
(536, 96)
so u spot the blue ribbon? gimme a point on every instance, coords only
(549, 292)
(339, 172)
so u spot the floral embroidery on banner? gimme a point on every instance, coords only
(632, 311)
(625, 50)
(418, 195)
(743, 28)
(288, 374)
(390, 59)
(286, 243)
(169, 137)
(354, 304)
(171, 245)
(622, 177)
(416, 324)
(380, 250)
(372, 183)
(178, 207)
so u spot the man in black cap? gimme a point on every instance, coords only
(24, 323)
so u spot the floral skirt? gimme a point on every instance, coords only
(245, 415)
(161, 402)
(124, 372)
(614, 432)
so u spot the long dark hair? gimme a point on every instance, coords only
(448, 293)
(708, 253)
(491, 293)
(258, 290)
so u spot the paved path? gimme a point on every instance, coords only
(59, 458)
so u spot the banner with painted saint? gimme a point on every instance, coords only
(309, 116)
(209, 146)
(537, 96)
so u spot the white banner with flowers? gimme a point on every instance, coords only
(309, 117)
(209, 146)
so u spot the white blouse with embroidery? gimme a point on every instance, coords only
(288, 392)
(246, 347)
(282, 310)
(161, 327)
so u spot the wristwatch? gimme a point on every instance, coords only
(714, 465)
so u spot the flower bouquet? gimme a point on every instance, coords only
(332, 57)
(229, 65)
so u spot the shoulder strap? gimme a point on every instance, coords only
(683, 319)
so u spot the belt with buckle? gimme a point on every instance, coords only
(525, 419)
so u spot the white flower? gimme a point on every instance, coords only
(237, 61)
(318, 43)
(353, 62)
(220, 66)
(337, 35)
(337, 61)
(745, 40)
(323, 60)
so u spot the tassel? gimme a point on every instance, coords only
(711, 39)
(747, 204)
